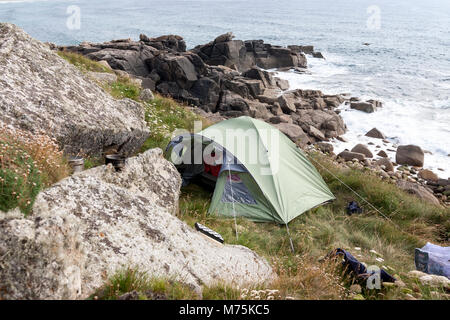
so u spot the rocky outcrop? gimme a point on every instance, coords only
(225, 77)
(95, 223)
(39, 91)
(242, 55)
(410, 155)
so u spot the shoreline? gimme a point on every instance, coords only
(359, 123)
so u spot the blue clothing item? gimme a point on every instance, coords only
(353, 207)
(358, 268)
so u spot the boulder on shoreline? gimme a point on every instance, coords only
(428, 175)
(360, 148)
(39, 91)
(350, 156)
(375, 133)
(93, 224)
(410, 155)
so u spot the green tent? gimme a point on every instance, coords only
(262, 175)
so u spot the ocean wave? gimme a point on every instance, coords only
(405, 119)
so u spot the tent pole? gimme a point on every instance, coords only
(232, 196)
(290, 239)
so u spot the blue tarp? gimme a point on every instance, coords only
(433, 259)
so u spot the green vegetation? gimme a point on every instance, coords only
(164, 116)
(123, 88)
(28, 163)
(83, 63)
(147, 287)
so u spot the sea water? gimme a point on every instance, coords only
(397, 52)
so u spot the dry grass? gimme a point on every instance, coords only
(28, 163)
(83, 63)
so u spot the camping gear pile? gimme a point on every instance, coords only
(433, 259)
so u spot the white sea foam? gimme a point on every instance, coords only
(403, 121)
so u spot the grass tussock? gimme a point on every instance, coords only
(145, 287)
(84, 64)
(123, 88)
(28, 163)
(166, 118)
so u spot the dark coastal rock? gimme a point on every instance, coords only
(375, 133)
(410, 155)
(295, 133)
(241, 55)
(174, 68)
(316, 133)
(386, 163)
(286, 105)
(280, 119)
(325, 147)
(360, 148)
(382, 154)
(349, 156)
(172, 42)
(318, 55)
(225, 76)
(302, 49)
(126, 55)
(363, 106)
(428, 175)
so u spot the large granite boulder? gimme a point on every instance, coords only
(361, 148)
(410, 155)
(39, 91)
(95, 223)
(375, 133)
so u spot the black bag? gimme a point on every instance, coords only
(353, 207)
